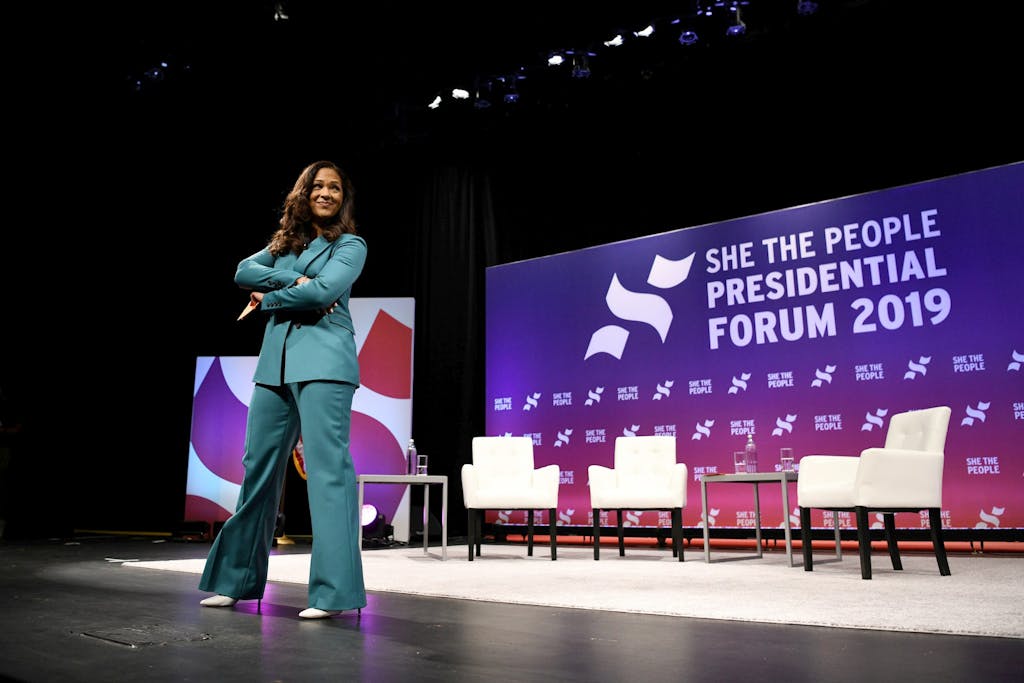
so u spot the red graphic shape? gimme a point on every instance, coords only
(197, 508)
(385, 361)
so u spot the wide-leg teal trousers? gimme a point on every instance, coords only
(238, 562)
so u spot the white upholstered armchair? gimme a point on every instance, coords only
(502, 476)
(645, 476)
(905, 475)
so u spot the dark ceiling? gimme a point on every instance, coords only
(377, 64)
(858, 96)
(859, 68)
(373, 66)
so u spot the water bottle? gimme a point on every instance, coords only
(410, 465)
(751, 450)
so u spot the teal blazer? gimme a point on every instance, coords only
(300, 342)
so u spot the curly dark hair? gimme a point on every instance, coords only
(296, 227)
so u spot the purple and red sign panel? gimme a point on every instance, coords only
(381, 415)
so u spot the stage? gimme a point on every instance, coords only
(77, 610)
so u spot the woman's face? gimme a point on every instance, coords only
(325, 198)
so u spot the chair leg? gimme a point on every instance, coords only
(935, 523)
(553, 532)
(889, 519)
(864, 542)
(622, 539)
(529, 534)
(470, 531)
(805, 538)
(479, 530)
(597, 534)
(677, 532)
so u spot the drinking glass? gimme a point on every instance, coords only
(786, 459)
(739, 460)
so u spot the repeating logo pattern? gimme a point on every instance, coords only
(594, 396)
(1014, 365)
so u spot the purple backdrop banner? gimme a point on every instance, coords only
(807, 327)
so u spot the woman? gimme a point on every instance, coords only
(305, 378)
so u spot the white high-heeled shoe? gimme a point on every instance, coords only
(314, 613)
(218, 601)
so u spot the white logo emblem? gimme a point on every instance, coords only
(639, 306)
(703, 430)
(921, 366)
(872, 421)
(739, 384)
(989, 521)
(783, 425)
(975, 414)
(823, 375)
(663, 390)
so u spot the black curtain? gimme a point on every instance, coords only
(453, 242)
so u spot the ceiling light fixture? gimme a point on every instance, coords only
(614, 42)
(806, 7)
(581, 64)
(738, 28)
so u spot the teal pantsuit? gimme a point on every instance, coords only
(306, 377)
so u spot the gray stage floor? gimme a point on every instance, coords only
(70, 612)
